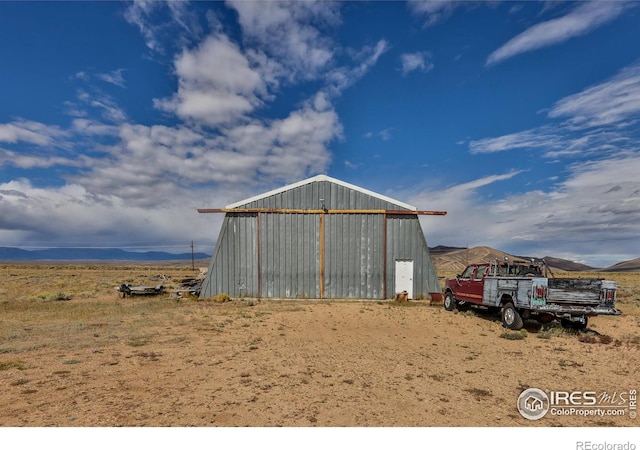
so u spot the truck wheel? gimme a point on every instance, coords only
(449, 302)
(511, 317)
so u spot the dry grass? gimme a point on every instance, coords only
(96, 359)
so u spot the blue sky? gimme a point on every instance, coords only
(519, 118)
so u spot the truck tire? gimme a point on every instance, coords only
(511, 318)
(449, 302)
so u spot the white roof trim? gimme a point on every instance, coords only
(321, 178)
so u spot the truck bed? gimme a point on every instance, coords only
(575, 291)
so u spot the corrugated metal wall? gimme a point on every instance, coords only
(405, 240)
(234, 265)
(354, 255)
(290, 249)
(290, 255)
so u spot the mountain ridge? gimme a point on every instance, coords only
(456, 259)
(92, 254)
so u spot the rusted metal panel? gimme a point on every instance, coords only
(581, 291)
(518, 289)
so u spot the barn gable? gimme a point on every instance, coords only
(320, 238)
(336, 194)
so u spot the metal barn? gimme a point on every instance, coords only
(321, 238)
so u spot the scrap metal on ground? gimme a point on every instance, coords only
(127, 289)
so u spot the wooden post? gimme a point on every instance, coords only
(384, 256)
(322, 255)
(259, 262)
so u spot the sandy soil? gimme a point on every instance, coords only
(160, 362)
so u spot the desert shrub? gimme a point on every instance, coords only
(588, 338)
(221, 298)
(12, 365)
(48, 297)
(515, 336)
(606, 339)
(524, 332)
(544, 335)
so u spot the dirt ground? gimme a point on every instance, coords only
(97, 360)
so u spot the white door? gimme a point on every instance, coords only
(404, 276)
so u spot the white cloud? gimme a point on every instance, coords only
(30, 131)
(15, 159)
(182, 25)
(216, 84)
(114, 77)
(88, 127)
(599, 120)
(108, 108)
(385, 134)
(543, 137)
(581, 20)
(144, 182)
(290, 33)
(598, 200)
(435, 11)
(415, 61)
(612, 102)
(71, 216)
(341, 78)
(152, 164)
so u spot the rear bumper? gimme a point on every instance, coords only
(578, 310)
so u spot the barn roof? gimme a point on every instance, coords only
(319, 178)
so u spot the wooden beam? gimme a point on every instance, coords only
(322, 211)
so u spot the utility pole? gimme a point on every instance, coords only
(193, 264)
(467, 254)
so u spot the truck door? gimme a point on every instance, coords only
(464, 284)
(476, 284)
(470, 284)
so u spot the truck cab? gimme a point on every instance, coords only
(469, 284)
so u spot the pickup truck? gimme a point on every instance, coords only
(522, 290)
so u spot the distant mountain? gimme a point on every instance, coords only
(91, 254)
(440, 249)
(564, 264)
(455, 259)
(625, 266)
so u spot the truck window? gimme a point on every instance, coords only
(467, 272)
(480, 272)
